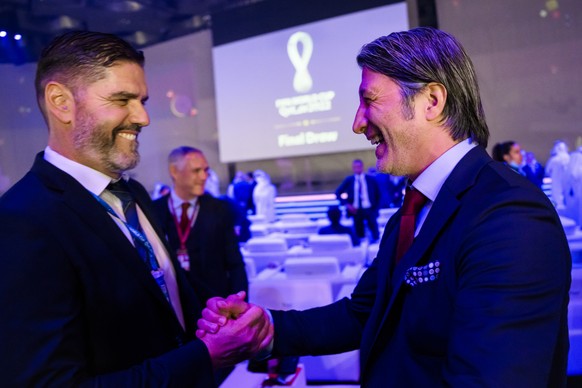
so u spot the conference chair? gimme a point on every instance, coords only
(311, 267)
(265, 251)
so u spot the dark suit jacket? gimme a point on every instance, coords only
(534, 174)
(78, 306)
(391, 191)
(495, 312)
(347, 187)
(216, 264)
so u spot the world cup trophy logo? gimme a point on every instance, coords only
(302, 81)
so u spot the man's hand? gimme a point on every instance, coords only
(219, 310)
(247, 331)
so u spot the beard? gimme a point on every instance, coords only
(99, 145)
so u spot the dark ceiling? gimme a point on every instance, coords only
(141, 22)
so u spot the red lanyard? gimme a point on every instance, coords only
(183, 235)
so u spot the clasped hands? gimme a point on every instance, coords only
(233, 330)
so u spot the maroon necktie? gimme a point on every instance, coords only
(414, 200)
(184, 220)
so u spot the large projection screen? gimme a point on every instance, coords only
(294, 92)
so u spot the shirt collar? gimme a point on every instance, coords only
(93, 180)
(430, 181)
(177, 201)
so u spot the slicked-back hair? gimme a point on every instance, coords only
(423, 55)
(81, 57)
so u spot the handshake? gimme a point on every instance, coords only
(234, 330)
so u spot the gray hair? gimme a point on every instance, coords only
(177, 154)
(422, 55)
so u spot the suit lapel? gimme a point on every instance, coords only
(98, 222)
(383, 262)
(385, 259)
(443, 210)
(191, 304)
(146, 207)
(166, 218)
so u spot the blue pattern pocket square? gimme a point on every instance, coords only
(427, 273)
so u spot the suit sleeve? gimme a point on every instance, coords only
(43, 331)
(330, 329)
(512, 295)
(188, 365)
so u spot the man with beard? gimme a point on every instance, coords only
(90, 292)
(470, 284)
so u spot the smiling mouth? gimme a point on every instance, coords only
(375, 140)
(128, 136)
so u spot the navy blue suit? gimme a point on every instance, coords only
(368, 215)
(216, 264)
(78, 305)
(391, 190)
(495, 312)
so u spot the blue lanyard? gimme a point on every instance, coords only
(135, 234)
(157, 273)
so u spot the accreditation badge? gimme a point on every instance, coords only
(184, 259)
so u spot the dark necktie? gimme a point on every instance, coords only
(184, 220)
(142, 245)
(121, 191)
(414, 200)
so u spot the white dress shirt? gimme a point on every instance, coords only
(360, 180)
(177, 202)
(430, 181)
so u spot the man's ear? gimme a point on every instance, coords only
(59, 102)
(173, 169)
(437, 97)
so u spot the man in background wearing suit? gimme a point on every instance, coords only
(200, 229)
(360, 195)
(90, 293)
(203, 236)
(480, 296)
